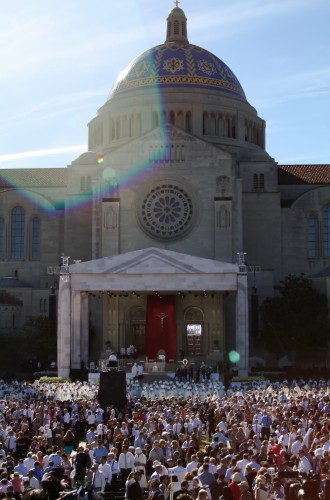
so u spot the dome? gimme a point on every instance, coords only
(178, 64)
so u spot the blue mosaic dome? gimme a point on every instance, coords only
(178, 65)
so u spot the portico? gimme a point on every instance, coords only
(169, 286)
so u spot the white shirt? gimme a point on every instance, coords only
(91, 418)
(107, 472)
(295, 448)
(284, 440)
(66, 417)
(98, 480)
(129, 461)
(48, 432)
(114, 466)
(241, 464)
(3, 488)
(29, 463)
(11, 443)
(33, 482)
(180, 472)
(253, 465)
(177, 428)
(304, 464)
(326, 446)
(192, 466)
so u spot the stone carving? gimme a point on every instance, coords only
(110, 218)
(222, 184)
(223, 217)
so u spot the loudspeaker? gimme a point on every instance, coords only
(112, 389)
(112, 364)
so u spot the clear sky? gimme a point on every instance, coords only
(60, 58)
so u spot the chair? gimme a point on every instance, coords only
(161, 355)
(92, 367)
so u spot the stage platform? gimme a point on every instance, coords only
(148, 378)
(152, 370)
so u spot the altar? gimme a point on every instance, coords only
(154, 366)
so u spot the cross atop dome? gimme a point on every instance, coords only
(176, 25)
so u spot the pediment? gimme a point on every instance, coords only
(152, 261)
(169, 134)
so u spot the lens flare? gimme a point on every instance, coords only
(234, 356)
(108, 180)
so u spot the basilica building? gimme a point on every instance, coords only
(174, 226)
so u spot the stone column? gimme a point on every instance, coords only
(84, 336)
(64, 327)
(242, 329)
(76, 330)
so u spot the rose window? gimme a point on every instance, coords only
(166, 211)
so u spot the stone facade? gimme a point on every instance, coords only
(176, 162)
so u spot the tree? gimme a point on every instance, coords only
(296, 319)
(36, 340)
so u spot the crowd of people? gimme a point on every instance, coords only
(258, 441)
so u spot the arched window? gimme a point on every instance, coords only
(17, 233)
(212, 125)
(131, 126)
(205, 123)
(233, 128)
(312, 236)
(255, 182)
(183, 28)
(2, 237)
(188, 121)
(88, 183)
(326, 230)
(261, 181)
(82, 183)
(35, 254)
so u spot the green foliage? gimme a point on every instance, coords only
(251, 378)
(296, 319)
(20, 353)
(36, 340)
(36, 325)
(54, 380)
